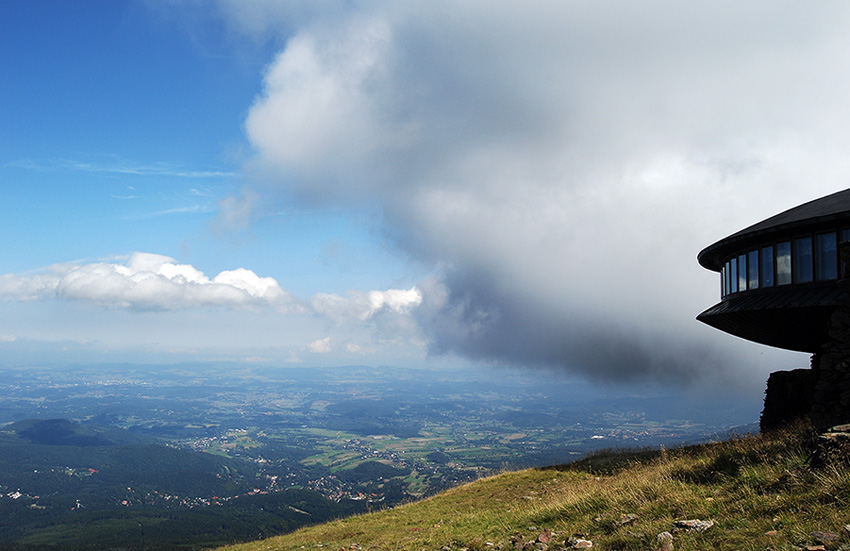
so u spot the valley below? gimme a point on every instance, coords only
(189, 456)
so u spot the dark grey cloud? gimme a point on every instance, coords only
(560, 164)
(468, 314)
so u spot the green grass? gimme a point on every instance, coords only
(760, 491)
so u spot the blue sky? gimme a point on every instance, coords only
(372, 182)
(124, 131)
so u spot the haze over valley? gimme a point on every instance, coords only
(180, 449)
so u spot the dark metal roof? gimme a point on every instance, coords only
(820, 212)
(793, 317)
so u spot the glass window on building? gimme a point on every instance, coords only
(733, 275)
(723, 281)
(826, 257)
(783, 263)
(802, 264)
(753, 270)
(742, 272)
(845, 236)
(766, 270)
(727, 279)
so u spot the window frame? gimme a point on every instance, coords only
(767, 277)
(801, 271)
(822, 255)
(753, 267)
(733, 276)
(761, 267)
(783, 277)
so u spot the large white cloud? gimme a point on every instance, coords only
(562, 163)
(146, 282)
(152, 282)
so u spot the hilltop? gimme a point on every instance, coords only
(756, 492)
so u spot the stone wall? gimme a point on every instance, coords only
(832, 368)
(822, 393)
(789, 397)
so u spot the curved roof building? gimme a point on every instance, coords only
(779, 278)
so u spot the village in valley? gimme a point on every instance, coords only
(378, 435)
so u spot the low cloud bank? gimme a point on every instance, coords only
(152, 282)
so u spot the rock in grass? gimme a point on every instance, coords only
(545, 536)
(627, 519)
(665, 542)
(694, 525)
(825, 537)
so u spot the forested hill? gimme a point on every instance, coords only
(69, 486)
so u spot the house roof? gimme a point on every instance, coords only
(812, 215)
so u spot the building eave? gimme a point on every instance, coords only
(811, 217)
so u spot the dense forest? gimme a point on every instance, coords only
(78, 484)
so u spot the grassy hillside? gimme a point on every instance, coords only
(760, 492)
